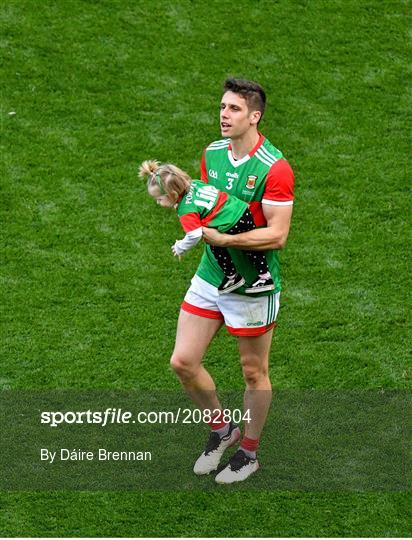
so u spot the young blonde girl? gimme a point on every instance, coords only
(198, 205)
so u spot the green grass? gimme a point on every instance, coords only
(88, 282)
(198, 514)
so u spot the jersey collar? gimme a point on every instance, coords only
(238, 162)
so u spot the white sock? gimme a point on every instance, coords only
(223, 431)
(251, 455)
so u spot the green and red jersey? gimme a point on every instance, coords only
(205, 206)
(262, 177)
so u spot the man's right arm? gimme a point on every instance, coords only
(273, 236)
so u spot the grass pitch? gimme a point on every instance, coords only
(90, 292)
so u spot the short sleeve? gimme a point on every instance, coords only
(279, 184)
(190, 222)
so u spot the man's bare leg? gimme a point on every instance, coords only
(193, 337)
(254, 356)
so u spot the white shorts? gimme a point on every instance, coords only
(243, 315)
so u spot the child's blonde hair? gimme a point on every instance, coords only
(167, 178)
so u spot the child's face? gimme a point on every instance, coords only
(162, 200)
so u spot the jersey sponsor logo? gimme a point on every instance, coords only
(232, 175)
(213, 174)
(251, 181)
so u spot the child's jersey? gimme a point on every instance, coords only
(262, 176)
(206, 206)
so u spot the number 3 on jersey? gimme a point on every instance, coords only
(207, 197)
(229, 183)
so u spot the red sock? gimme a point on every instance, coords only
(251, 445)
(217, 421)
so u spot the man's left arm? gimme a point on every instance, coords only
(273, 236)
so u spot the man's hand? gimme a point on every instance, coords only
(214, 237)
(273, 236)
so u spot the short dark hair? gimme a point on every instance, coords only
(252, 92)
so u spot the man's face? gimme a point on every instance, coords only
(235, 118)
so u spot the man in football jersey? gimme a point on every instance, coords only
(245, 164)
